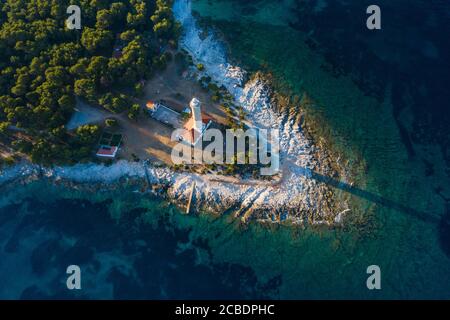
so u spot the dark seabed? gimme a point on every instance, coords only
(129, 245)
(381, 97)
(135, 253)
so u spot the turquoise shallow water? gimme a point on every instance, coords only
(379, 106)
(133, 246)
(376, 100)
(381, 98)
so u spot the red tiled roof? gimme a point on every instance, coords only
(150, 105)
(107, 151)
(190, 133)
(189, 125)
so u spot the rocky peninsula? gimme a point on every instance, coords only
(299, 193)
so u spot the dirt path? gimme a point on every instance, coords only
(150, 139)
(176, 86)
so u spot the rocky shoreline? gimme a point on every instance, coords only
(299, 194)
(294, 196)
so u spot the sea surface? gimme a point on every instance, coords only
(382, 100)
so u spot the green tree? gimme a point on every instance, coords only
(95, 40)
(44, 66)
(128, 35)
(119, 103)
(85, 88)
(104, 19)
(98, 67)
(111, 123)
(134, 112)
(80, 68)
(4, 128)
(88, 134)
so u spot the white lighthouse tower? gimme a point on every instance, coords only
(196, 108)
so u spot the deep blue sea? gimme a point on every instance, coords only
(381, 98)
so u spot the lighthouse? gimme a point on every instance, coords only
(197, 123)
(196, 108)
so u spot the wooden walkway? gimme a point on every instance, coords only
(191, 196)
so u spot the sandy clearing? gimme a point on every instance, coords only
(145, 137)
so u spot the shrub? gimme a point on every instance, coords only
(200, 67)
(111, 123)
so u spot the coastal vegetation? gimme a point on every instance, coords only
(45, 67)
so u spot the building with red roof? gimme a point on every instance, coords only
(196, 126)
(107, 152)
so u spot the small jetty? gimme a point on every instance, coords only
(191, 196)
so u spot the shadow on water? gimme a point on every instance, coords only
(443, 221)
(372, 197)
